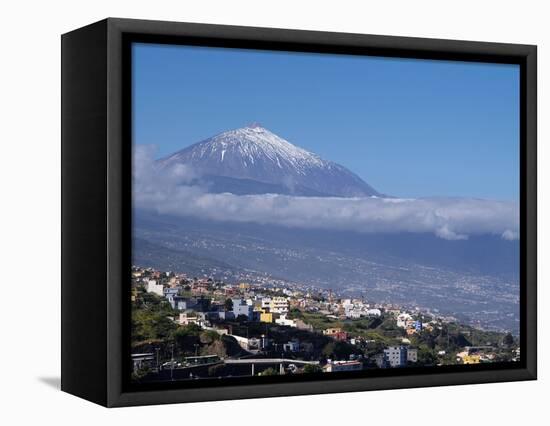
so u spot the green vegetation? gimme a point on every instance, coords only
(318, 321)
(508, 340)
(380, 329)
(154, 330)
(151, 318)
(311, 368)
(269, 372)
(228, 305)
(339, 350)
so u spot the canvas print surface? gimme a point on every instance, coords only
(299, 213)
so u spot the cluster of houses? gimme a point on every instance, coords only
(227, 302)
(411, 325)
(248, 302)
(200, 310)
(391, 357)
(357, 309)
(480, 354)
(306, 298)
(340, 309)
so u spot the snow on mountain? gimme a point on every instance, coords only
(254, 160)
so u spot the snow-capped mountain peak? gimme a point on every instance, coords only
(255, 142)
(255, 153)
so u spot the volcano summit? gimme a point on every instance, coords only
(253, 160)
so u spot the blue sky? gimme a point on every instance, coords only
(409, 128)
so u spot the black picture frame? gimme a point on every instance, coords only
(96, 207)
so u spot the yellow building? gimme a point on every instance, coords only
(470, 359)
(244, 286)
(266, 317)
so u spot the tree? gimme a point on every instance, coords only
(164, 327)
(151, 318)
(228, 305)
(338, 350)
(295, 313)
(461, 341)
(426, 356)
(269, 372)
(508, 339)
(312, 368)
(328, 350)
(242, 318)
(374, 348)
(186, 337)
(209, 336)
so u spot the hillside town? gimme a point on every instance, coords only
(200, 327)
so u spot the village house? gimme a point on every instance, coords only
(336, 333)
(186, 319)
(279, 305)
(334, 366)
(292, 346)
(283, 320)
(153, 287)
(412, 355)
(265, 316)
(241, 307)
(404, 320)
(398, 356)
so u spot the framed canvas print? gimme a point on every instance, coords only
(254, 212)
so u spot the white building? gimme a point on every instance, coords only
(412, 355)
(277, 305)
(333, 366)
(186, 319)
(396, 356)
(283, 320)
(292, 346)
(354, 313)
(403, 320)
(153, 287)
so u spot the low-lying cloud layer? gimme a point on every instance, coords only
(173, 192)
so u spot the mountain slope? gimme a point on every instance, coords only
(148, 254)
(254, 160)
(476, 279)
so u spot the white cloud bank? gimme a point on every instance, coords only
(172, 192)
